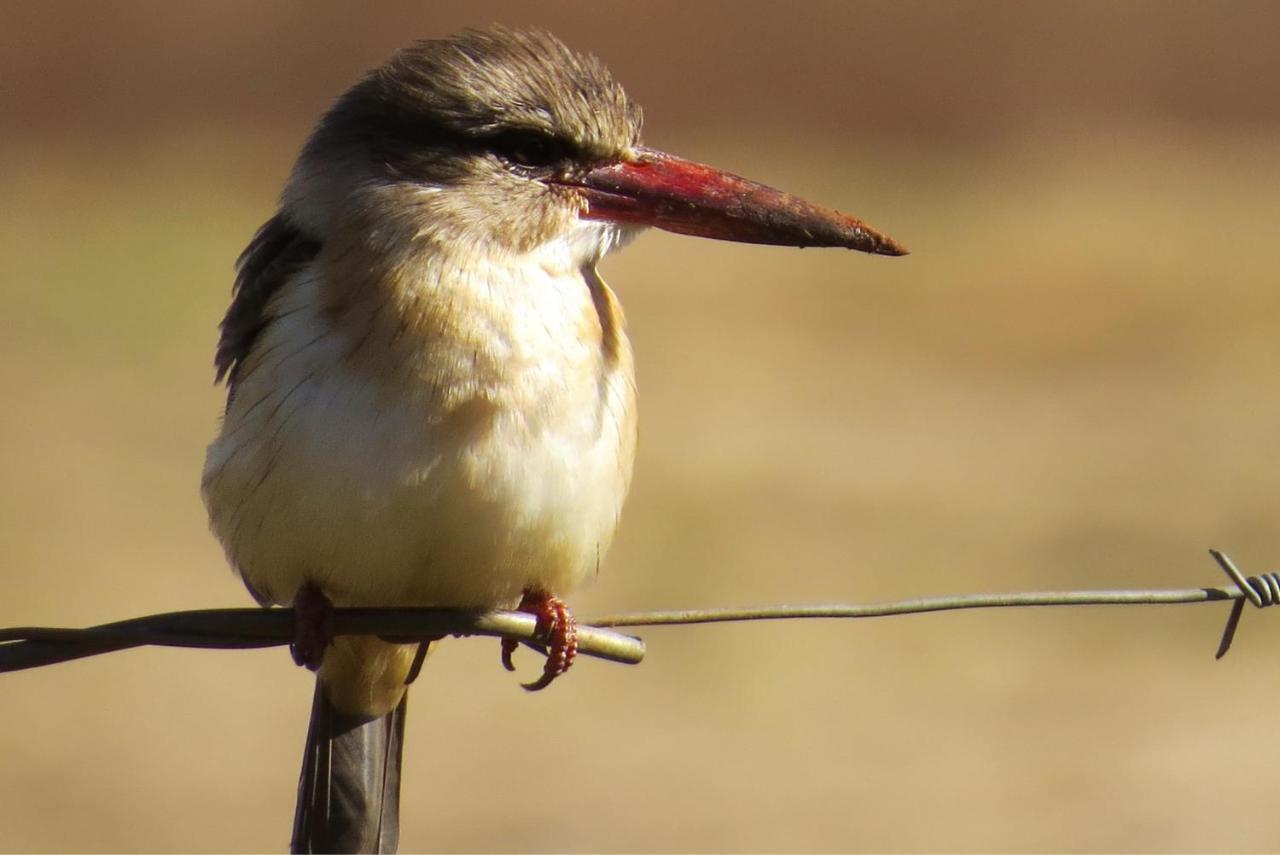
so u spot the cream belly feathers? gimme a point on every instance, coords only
(490, 457)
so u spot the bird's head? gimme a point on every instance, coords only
(507, 139)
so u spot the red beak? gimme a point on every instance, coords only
(659, 189)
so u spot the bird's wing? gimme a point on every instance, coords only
(276, 251)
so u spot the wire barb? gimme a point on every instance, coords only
(1262, 591)
(29, 647)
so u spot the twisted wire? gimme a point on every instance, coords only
(1262, 591)
(30, 647)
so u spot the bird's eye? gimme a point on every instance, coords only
(528, 149)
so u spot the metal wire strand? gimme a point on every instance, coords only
(1262, 591)
(29, 647)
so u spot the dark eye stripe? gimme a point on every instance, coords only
(529, 148)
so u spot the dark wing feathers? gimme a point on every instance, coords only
(276, 251)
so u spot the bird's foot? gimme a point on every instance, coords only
(312, 626)
(556, 628)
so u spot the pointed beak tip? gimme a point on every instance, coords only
(892, 248)
(681, 196)
(864, 238)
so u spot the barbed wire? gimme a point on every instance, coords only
(247, 628)
(231, 629)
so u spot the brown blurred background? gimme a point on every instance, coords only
(1069, 383)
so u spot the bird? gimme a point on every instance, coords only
(431, 395)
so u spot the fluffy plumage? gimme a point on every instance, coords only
(431, 396)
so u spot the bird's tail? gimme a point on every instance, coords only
(349, 792)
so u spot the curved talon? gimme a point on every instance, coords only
(418, 659)
(557, 626)
(312, 626)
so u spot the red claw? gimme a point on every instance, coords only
(556, 625)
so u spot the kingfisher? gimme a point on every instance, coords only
(431, 397)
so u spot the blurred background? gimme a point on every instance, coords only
(1068, 384)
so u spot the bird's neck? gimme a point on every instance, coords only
(466, 317)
